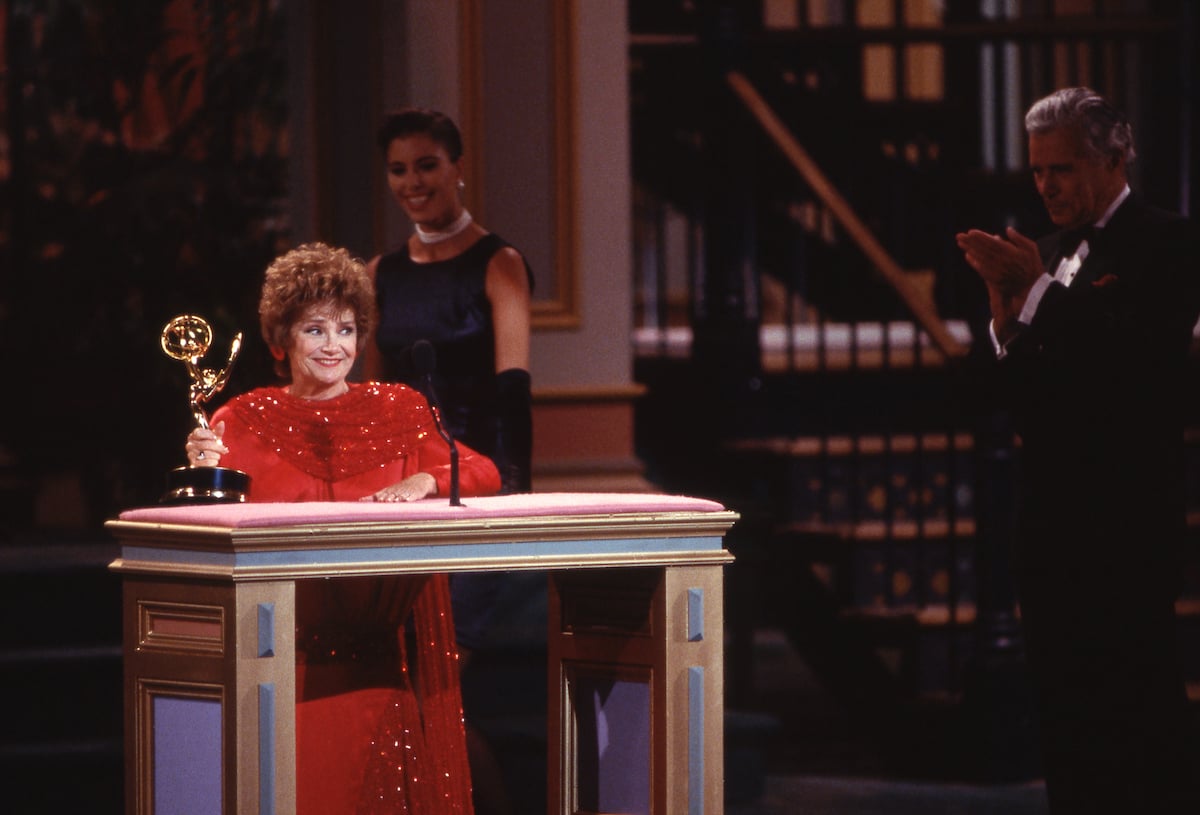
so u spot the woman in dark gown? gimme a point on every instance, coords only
(466, 291)
(460, 287)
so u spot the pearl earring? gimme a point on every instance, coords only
(462, 185)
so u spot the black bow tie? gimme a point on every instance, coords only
(1069, 240)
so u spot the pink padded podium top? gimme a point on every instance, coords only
(254, 515)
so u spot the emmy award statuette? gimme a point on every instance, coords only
(187, 338)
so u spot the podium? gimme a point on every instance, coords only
(636, 707)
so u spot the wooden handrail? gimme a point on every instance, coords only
(918, 299)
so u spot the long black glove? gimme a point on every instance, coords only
(514, 430)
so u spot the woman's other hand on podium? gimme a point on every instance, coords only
(413, 488)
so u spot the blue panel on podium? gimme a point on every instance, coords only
(266, 748)
(187, 756)
(696, 740)
(266, 629)
(695, 615)
(613, 750)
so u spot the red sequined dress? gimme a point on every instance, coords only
(364, 743)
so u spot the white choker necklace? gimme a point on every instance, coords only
(439, 235)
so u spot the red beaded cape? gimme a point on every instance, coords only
(341, 449)
(368, 426)
(367, 741)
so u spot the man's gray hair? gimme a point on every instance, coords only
(1106, 131)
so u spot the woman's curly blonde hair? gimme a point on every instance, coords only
(314, 274)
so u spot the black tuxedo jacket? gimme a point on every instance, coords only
(1095, 387)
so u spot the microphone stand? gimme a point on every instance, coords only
(424, 362)
(437, 420)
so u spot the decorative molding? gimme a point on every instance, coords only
(470, 118)
(150, 735)
(180, 627)
(563, 309)
(558, 308)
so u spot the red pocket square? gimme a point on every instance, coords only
(1107, 280)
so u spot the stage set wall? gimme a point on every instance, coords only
(540, 90)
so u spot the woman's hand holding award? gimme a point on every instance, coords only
(187, 338)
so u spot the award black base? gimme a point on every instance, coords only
(206, 485)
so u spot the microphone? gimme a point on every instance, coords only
(424, 361)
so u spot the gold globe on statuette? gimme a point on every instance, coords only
(187, 338)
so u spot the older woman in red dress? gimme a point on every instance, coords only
(376, 731)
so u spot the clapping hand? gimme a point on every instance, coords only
(1010, 264)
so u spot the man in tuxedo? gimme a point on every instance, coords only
(1092, 328)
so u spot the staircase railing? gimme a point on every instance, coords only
(917, 296)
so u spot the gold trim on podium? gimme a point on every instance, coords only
(524, 529)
